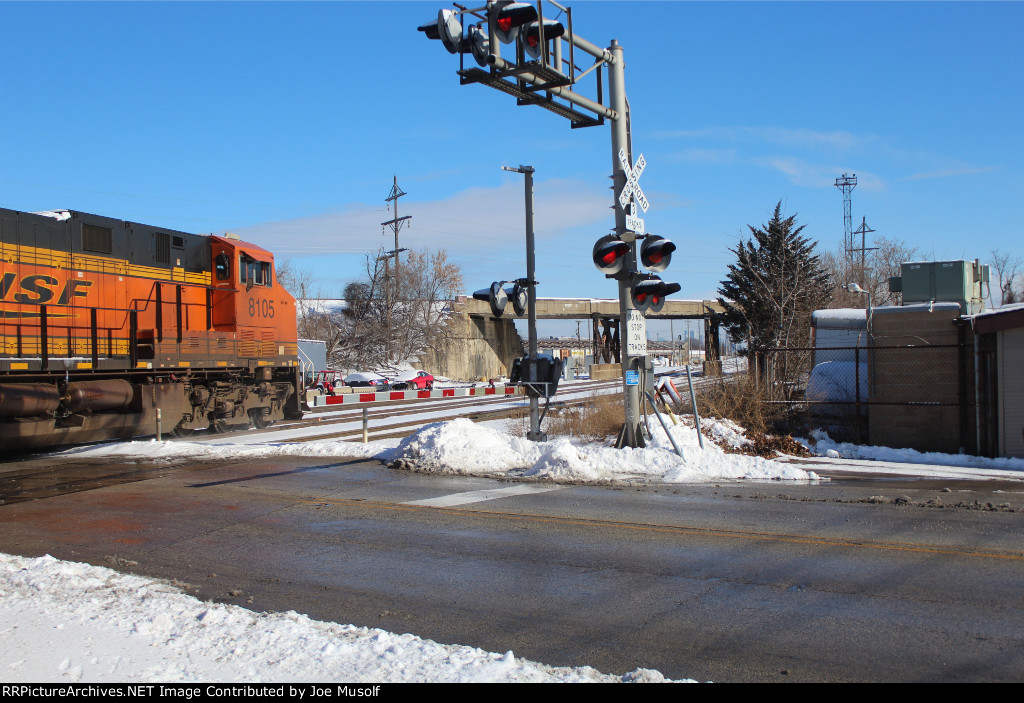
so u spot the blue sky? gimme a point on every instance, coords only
(286, 122)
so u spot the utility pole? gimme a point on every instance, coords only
(391, 292)
(864, 229)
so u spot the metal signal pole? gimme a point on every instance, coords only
(531, 297)
(631, 434)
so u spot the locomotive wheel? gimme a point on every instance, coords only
(259, 420)
(180, 431)
(220, 426)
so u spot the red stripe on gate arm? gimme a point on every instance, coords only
(423, 394)
(367, 397)
(397, 395)
(510, 390)
(490, 391)
(334, 399)
(448, 392)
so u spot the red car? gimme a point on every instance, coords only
(420, 380)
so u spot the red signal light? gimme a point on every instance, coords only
(656, 253)
(610, 254)
(507, 17)
(614, 252)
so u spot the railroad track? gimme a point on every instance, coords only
(399, 418)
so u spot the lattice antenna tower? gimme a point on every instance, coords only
(847, 184)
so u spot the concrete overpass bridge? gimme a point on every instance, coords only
(485, 346)
(595, 309)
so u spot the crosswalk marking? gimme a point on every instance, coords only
(480, 496)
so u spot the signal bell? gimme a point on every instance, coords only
(656, 253)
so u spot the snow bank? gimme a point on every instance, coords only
(71, 622)
(462, 447)
(821, 444)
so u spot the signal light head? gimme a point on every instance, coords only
(480, 44)
(430, 29)
(506, 17)
(496, 296)
(518, 295)
(656, 253)
(650, 293)
(531, 36)
(610, 254)
(449, 30)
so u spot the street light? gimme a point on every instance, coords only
(531, 300)
(854, 288)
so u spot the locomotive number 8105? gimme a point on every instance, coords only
(103, 323)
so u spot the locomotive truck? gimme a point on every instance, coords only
(109, 327)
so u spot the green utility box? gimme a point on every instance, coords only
(960, 282)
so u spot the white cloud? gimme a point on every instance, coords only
(810, 175)
(473, 220)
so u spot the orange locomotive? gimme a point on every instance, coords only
(110, 327)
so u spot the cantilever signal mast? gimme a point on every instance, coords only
(847, 184)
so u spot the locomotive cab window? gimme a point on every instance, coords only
(252, 272)
(222, 267)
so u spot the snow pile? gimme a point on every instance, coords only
(462, 447)
(821, 444)
(71, 622)
(726, 432)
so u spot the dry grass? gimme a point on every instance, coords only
(735, 398)
(594, 421)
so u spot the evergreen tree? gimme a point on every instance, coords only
(775, 284)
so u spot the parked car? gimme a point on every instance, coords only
(364, 379)
(327, 382)
(414, 379)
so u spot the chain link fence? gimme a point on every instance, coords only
(916, 397)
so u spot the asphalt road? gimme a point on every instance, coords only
(729, 582)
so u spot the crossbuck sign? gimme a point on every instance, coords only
(632, 187)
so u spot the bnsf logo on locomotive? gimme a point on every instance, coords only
(39, 289)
